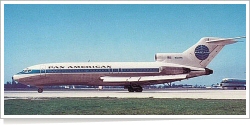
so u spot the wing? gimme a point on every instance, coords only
(143, 78)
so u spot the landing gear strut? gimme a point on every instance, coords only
(40, 90)
(134, 88)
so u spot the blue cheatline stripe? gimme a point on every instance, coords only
(124, 70)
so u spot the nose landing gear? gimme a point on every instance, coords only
(40, 90)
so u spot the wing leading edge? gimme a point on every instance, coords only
(143, 78)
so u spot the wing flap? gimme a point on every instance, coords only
(142, 78)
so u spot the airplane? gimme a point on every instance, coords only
(167, 68)
(233, 83)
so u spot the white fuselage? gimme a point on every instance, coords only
(232, 82)
(89, 73)
(169, 67)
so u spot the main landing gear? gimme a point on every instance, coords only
(134, 88)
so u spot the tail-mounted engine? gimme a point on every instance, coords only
(174, 70)
(208, 71)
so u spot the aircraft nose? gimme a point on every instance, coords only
(14, 78)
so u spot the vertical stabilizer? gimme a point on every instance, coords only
(200, 54)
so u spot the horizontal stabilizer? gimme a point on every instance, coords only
(142, 78)
(224, 41)
(200, 54)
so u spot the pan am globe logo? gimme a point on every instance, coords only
(201, 52)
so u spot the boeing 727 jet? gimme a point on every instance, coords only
(167, 68)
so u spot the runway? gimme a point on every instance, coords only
(193, 94)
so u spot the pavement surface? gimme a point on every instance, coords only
(193, 94)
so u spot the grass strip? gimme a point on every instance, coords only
(124, 106)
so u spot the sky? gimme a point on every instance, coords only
(50, 33)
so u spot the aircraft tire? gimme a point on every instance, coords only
(135, 88)
(139, 89)
(130, 89)
(40, 90)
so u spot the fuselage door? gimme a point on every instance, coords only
(115, 70)
(42, 70)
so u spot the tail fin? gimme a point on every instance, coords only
(200, 54)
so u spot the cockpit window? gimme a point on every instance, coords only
(27, 70)
(227, 80)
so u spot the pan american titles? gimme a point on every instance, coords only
(78, 67)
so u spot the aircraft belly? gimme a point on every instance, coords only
(233, 84)
(87, 79)
(68, 79)
(78, 79)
